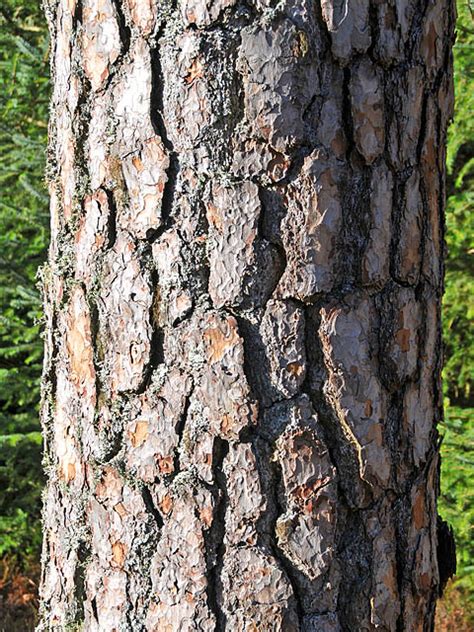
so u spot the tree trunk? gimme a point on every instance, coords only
(242, 374)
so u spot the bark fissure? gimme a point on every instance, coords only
(215, 545)
(149, 504)
(158, 122)
(286, 564)
(112, 218)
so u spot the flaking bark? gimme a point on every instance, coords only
(242, 370)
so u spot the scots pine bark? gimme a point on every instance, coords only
(242, 375)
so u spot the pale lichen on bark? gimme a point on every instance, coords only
(241, 383)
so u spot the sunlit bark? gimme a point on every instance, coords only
(241, 384)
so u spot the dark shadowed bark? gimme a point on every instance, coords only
(242, 376)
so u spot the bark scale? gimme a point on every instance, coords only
(242, 374)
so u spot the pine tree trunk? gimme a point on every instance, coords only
(242, 374)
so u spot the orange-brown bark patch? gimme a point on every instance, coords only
(219, 342)
(140, 433)
(118, 553)
(403, 339)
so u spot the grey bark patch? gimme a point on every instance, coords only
(283, 336)
(348, 26)
(232, 213)
(311, 229)
(367, 109)
(124, 306)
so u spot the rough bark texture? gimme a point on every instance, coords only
(241, 385)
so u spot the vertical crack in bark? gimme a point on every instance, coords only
(80, 125)
(263, 228)
(125, 36)
(401, 543)
(157, 340)
(416, 29)
(113, 446)
(112, 218)
(112, 443)
(124, 30)
(347, 122)
(94, 320)
(286, 564)
(150, 506)
(204, 271)
(374, 31)
(355, 226)
(179, 429)
(355, 555)
(95, 614)
(266, 524)
(393, 431)
(343, 447)
(159, 125)
(157, 121)
(215, 545)
(422, 133)
(77, 14)
(399, 181)
(80, 594)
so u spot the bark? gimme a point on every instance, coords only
(242, 374)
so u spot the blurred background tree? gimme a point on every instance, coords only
(24, 85)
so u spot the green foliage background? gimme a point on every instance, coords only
(24, 85)
(457, 469)
(24, 96)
